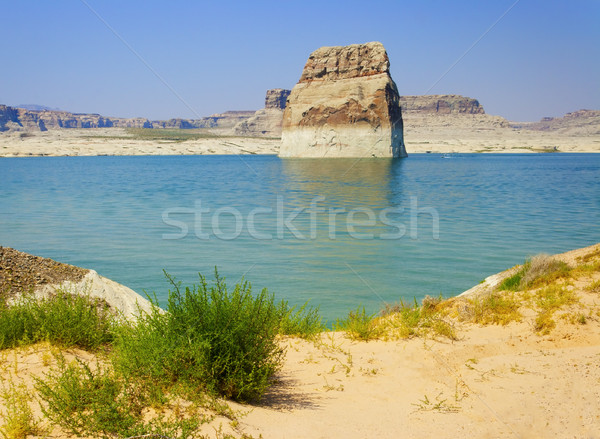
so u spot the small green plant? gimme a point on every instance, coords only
(65, 319)
(439, 405)
(304, 322)
(513, 283)
(403, 320)
(17, 420)
(359, 325)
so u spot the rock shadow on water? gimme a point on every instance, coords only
(359, 182)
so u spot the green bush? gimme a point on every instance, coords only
(64, 319)
(209, 339)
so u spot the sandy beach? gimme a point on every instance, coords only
(491, 381)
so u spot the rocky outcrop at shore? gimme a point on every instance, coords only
(24, 274)
(266, 122)
(345, 105)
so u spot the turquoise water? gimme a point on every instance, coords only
(402, 229)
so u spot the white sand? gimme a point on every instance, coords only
(97, 141)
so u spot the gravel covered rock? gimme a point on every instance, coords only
(21, 272)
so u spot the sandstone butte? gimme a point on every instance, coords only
(345, 105)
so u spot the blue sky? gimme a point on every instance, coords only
(541, 59)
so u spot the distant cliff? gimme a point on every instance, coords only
(267, 122)
(21, 119)
(440, 104)
(582, 122)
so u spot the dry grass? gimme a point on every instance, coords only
(535, 272)
(18, 420)
(548, 301)
(542, 286)
(430, 319)
(594, 287)
(494, 308)
(544, 270)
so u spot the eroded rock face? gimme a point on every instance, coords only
(276, 98)
(265, 122)
(345, 105)
(9, 118)
(440, 104)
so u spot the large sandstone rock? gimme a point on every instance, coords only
(345, 105)
(266, 122)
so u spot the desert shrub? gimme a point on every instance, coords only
(98, 402)
(209, 339)
(68, 320)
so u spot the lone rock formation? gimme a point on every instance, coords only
(345, 105)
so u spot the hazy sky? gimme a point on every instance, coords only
(541, 59)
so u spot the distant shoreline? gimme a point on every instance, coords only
(454, 135)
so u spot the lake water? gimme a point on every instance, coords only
(336, 232)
